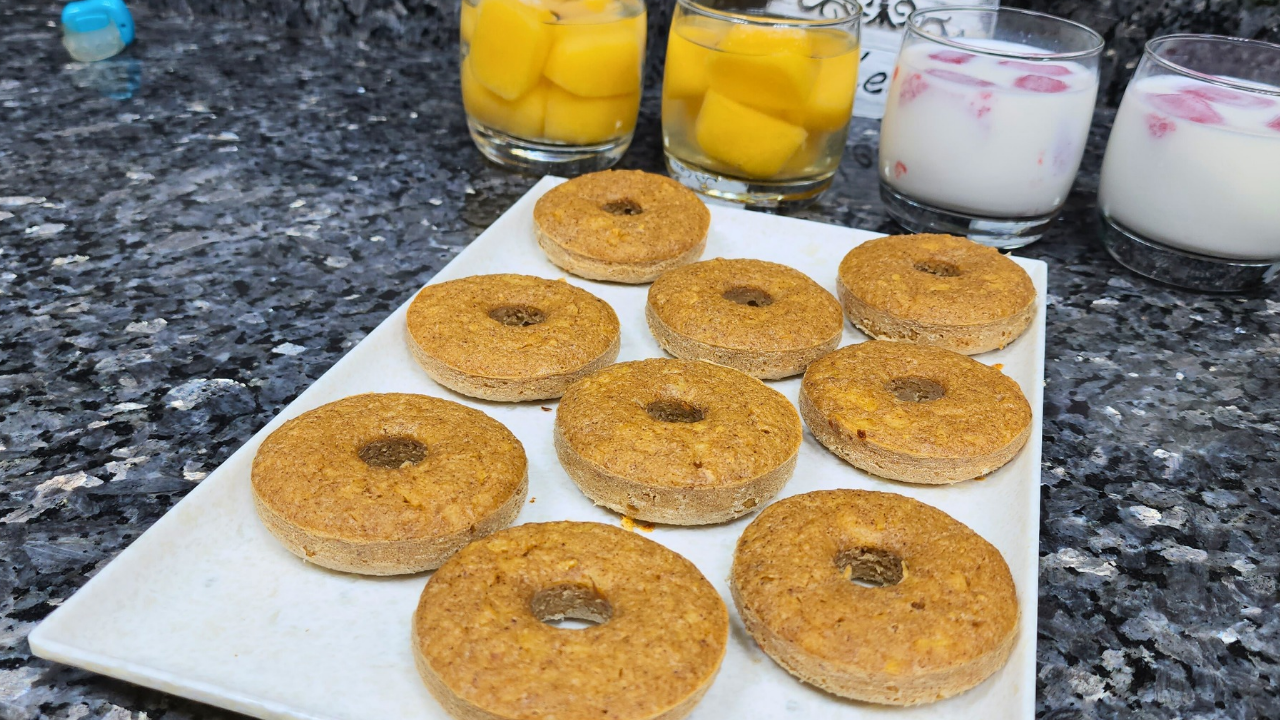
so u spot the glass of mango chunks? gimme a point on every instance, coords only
(757, 96)
(552, 85)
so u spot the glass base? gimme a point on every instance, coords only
(1181, 268)
(752, 193)
(546, 158)
(995, 232)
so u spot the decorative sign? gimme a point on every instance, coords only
(883, 22)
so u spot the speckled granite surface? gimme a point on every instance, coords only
(176, 266)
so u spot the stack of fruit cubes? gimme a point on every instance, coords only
(764, 102)
(555, 71)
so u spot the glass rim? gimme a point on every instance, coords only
(855, 16)
(914, 27)
(1151, 50)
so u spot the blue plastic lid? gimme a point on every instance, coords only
(89, 15)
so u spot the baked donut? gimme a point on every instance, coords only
(874, 596)
(677, 441)
(762, 318)
(510, 337)
(914, 413)
(936, 290)
(486, 649)
(624, 226)
(385, 484)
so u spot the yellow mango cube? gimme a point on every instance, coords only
(755, 143)
(831, 102)
(585, 121)
(467, 21)
(825, 43)
(764, 68)
(579, 10)
(595, 60)
(689, 52)
(522, 117)
(509, 46)
(756, 40)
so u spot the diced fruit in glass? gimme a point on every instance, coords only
(595, 61)
(752, 40)
(688, 54)
(764, 68)
(831, 102)
(467, 21)
(831, 43)
(522, 117)
(584, 121)
(574, 10)
(509, 46)
(747, 139)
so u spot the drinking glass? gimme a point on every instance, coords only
(552, 85)
(756, 97)
(986, 121)
(1190, 191)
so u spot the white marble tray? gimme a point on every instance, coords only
(207, 605)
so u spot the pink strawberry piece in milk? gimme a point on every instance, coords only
(1223, 96)
(959, 78)
(1186, 107)
(1041, 84)
(981, 105)
(1159, 126)
(912, 87)
(1275, 124)
(952, 57)
(899, 169)
(1037, 68)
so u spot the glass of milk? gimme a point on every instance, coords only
(986, 120)
(1190, 190)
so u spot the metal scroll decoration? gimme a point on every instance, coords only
(837, 9)
(889, 14)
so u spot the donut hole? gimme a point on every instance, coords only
(518, 315)
(870, 567)
(744, 295)
(625, 206)
(392, 453)
(570, 606)
(941, 268)
(915, 389)
(674, 411)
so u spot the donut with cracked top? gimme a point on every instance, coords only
(487, 647)
(936, 290)
(387, 484)
(914, 413)
(874, 596)
(765, 319)
(624, 226)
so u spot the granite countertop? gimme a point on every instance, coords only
(176, 266)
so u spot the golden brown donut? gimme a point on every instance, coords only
(762, 318)
(936, 290)
(624, 226)
(384, 484)
(510, 337)
(485, 649)
(677, 441)
(914, 413)
(874, 596)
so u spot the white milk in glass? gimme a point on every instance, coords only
(1196, 166)
(985, 135)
